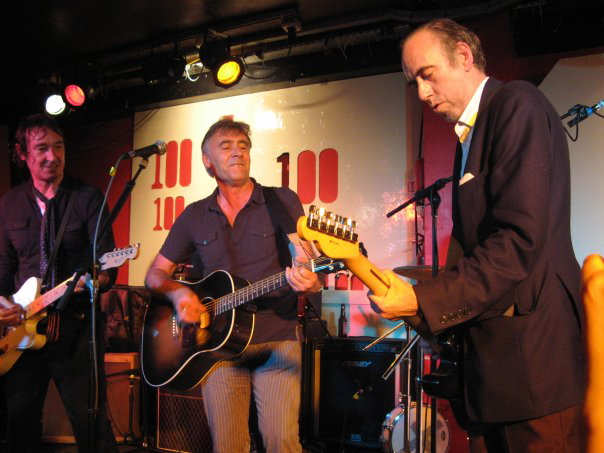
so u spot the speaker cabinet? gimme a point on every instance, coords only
(123, 396)
(345, 399)
(181, 422)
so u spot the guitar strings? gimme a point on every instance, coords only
(255, 289)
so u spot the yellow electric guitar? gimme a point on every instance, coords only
(335, 237)
(24, 336)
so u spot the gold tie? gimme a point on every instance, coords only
(466, 128)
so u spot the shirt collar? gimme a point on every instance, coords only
(468, 117)
(256, 197)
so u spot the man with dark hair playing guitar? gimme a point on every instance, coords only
(46, 229)
(240, 228)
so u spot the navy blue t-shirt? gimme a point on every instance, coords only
(202, 236)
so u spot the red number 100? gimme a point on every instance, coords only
(328, 176)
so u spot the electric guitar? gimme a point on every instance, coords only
(335, 236)
(17, 339)
(180, 355)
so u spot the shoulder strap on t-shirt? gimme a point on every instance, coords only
(282, 223)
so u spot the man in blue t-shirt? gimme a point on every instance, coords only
(233, 230)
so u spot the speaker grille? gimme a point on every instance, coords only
(181, 422)
(348, 399)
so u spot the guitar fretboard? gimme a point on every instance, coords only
(260, 288)
(46, 299)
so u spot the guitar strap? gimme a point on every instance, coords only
(59, 237)
(53, 317)
(282, 223)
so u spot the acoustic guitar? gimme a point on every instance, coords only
(180, 355)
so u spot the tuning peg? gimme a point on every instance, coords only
(311, 220)
(349, 227)
(323, 219)
(354, 236)
(331, 222)
(337, 230)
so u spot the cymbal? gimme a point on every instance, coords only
(419, 273)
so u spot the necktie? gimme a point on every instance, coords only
(47, 236)
(48, 270)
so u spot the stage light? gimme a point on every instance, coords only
(163, 69)
(229, 72)
(55, 105)
(226, 69)
(74, 95)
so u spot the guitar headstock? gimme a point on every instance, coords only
(117, 257)
(334, 235)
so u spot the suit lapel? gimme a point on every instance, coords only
(473, 163)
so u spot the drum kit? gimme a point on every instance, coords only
(393, 431)
(404, 430)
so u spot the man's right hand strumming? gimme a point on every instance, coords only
(11, 314)
(186, 303)
(188, 307)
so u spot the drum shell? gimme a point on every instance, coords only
(392, 437)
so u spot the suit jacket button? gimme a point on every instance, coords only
(444, 319)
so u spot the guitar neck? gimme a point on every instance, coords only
(260, 288)
(43, 301)
(370, 275)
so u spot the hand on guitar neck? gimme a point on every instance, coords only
(399, 300)
(335, 237)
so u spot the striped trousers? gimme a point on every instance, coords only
(271, 374)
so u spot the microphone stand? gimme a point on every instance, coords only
(430, 192)
(93, 285)
(435, 203)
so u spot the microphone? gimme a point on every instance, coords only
(585, 112)
(159, 147)
(571, 111)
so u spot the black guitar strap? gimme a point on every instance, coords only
(59, 238)
(282, 223)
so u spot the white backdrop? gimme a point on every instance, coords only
(363, 119)
(581, 81)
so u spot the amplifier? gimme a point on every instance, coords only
(345, 399)
(182, 425)
(123, 398)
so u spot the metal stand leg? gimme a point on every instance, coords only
(419, 424)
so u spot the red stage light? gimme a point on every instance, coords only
(74, 95)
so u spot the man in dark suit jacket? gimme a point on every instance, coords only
(514, 292)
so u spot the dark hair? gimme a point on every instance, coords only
(30, 123)
(229, 125)
(451, 33)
